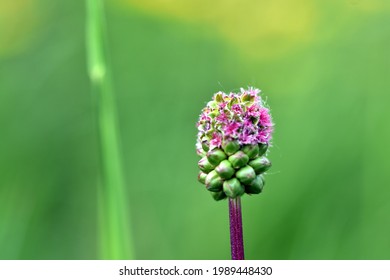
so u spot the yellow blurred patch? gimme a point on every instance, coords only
(18, 21)
(261, 29)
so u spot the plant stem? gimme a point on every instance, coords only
(114, 224)
(236, 236)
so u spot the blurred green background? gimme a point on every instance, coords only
(324, 67)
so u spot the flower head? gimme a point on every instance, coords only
(234, 132)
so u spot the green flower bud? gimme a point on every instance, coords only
(212, 104)
(230, 147)
(256, 186)
(218, 97)
(218, 195)
(260, 164)
(205, 165)
(233, 101)
(202, 177)
(216, 156)
(246, 97)
(205, 146)
(246, 174)
(233, 188)
(201, 152)
(251, 150)
(213, 182)
(225, 169)
(239, 159)
(213, 113)
(262, 149)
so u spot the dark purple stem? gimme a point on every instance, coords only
(236, 237)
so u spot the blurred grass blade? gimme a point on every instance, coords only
(115, 240)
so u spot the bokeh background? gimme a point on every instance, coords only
(324, 67)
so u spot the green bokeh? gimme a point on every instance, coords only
(327, 195)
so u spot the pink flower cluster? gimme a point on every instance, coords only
(241, 117)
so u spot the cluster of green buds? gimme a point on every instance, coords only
(234, 135)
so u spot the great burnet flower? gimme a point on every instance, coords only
(234, 133)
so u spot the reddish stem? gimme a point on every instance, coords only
(236, 236)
